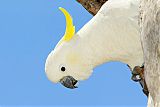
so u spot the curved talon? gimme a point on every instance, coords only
(146, 92)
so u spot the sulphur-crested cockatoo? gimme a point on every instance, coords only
(111, 35)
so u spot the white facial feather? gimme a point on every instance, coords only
(69, 55)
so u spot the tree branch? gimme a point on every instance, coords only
(92, 6)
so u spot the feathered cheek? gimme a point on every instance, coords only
(82, 75)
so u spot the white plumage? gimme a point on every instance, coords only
(111, 35)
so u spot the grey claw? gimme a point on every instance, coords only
(145, 92)
(136, 78)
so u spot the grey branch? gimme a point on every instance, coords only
(150, 37)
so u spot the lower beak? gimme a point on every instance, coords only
(69, 82)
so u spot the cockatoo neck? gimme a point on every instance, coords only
(105, 39)
(98, 52)
(91, 52)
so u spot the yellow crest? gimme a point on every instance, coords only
(70, 28)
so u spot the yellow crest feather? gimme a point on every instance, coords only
(70, 28)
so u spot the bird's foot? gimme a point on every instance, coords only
(138, 76)
(138, 73)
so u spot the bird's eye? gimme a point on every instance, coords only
(63, 68)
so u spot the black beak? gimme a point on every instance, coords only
(69, 82)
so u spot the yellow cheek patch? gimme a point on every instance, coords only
(73, 59)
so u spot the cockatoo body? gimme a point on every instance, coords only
(111, 35)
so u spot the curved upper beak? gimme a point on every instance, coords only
(69, 82)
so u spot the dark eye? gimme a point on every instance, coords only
(63, 69)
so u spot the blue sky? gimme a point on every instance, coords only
(29, 30)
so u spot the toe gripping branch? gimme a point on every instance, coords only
(138, 76)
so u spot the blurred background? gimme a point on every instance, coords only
(29, 30)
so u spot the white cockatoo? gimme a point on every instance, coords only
(111, 35)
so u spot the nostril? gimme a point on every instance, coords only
(74, 82)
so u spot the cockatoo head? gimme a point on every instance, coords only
(65, 64)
